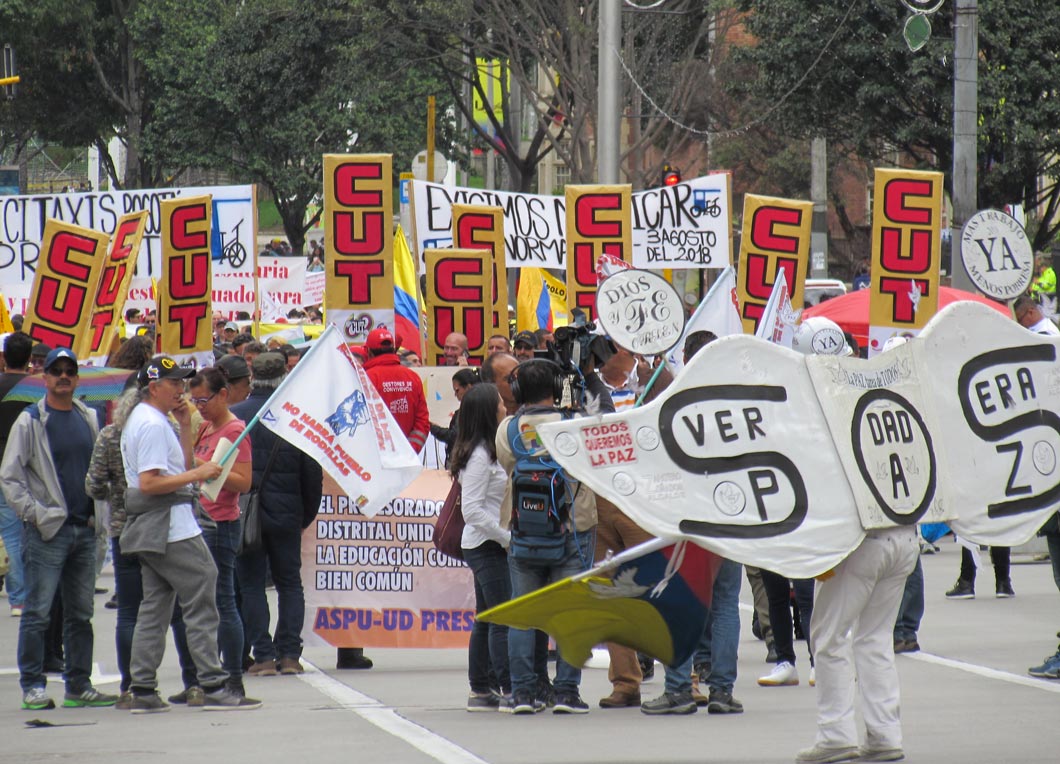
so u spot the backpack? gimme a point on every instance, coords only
(542, 503)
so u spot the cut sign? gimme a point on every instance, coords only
(780, 460)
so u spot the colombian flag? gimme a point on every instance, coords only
(657, 602)
(406, 306)
(541, 302)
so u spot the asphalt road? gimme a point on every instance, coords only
(966, 698)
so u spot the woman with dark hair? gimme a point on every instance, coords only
(463, 380)
(209, 394)
(482, 484)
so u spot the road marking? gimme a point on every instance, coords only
(387, 719)
(1046, 685)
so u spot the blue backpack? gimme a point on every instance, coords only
(542, 502)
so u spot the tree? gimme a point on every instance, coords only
(549, 51)
(265, 88)
(842, 70)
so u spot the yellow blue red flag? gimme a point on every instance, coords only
(656, 602)
(541, 302)
(406, 306)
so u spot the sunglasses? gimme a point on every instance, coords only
(202, 401)
(65, 371)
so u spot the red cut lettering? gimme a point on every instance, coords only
(51, 337)
(100, 321)
(180, 219)
(902, 310)
(359, 277)
(346, 192)
(63, 245)
(585, 222)
(895, 195)
(68, 313)
(189, 283)
(109, 283)
(121, 247)
(189, 318)
(370, 242)
(892, 252)
(447, 270)
(758, 285)
(763, 229)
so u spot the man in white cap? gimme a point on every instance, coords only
(851, 630)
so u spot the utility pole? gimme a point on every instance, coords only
(965, 130)
(607, 100)
(819, 197)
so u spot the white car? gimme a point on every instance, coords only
(818, 290)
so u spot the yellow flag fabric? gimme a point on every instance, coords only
(541, 302)
(5, 316)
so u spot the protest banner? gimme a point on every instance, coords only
(327, 408)
(876, 410)
(776, 240)
(22, 220)
(113, 289)
(682, 226)
(458, 300)
(640, 312)
(67, 278)
(906, 253)
(997, 255)
(483, 228)
(284, 281)
(359, 243)
(598, 223)
(733, 456)
(996, 399)
(185, 328)
(379, 581)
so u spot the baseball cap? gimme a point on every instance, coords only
(232, 325)
(269, 365)
(526, 337)
(162, 367)
(57, 355)
(380, 338)
(233, 367)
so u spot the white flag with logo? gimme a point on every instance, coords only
(717, 313)
(777, 324)
(328, 408)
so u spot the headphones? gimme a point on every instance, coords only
(545, 364)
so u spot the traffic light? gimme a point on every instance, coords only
(671, 176)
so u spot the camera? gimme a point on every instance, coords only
(577, 351)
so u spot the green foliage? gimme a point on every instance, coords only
(841, 69)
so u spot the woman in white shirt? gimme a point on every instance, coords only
(473, 462)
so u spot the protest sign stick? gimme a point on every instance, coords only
(651, 383)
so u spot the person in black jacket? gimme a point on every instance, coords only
(290, 498)
(462, 382)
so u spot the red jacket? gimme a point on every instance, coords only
(402, 390)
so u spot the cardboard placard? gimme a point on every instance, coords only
(483, 228)
(599, 221)
(359, 243)
(775, 241)
(458, 300)
(185, 301)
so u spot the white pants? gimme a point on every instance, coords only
(852, 632)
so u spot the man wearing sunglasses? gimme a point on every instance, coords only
(43, 478)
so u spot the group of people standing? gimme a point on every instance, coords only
(176, 550)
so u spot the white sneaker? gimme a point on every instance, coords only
(784, 674)
(813, 676)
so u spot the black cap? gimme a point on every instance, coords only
(162, 367)
(269, 365)
(233, 367)
(527, 337)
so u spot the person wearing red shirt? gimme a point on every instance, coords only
(400, 387)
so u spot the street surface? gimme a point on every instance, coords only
(966, 699)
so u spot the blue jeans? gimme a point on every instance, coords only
(529, 577)
(129, 588)
(911, 610)
(721, 638)
(223, 541)
(487, 652)
(281, 553)
(66, 563)
(11, 532)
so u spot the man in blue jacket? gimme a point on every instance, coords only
(289, 485)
